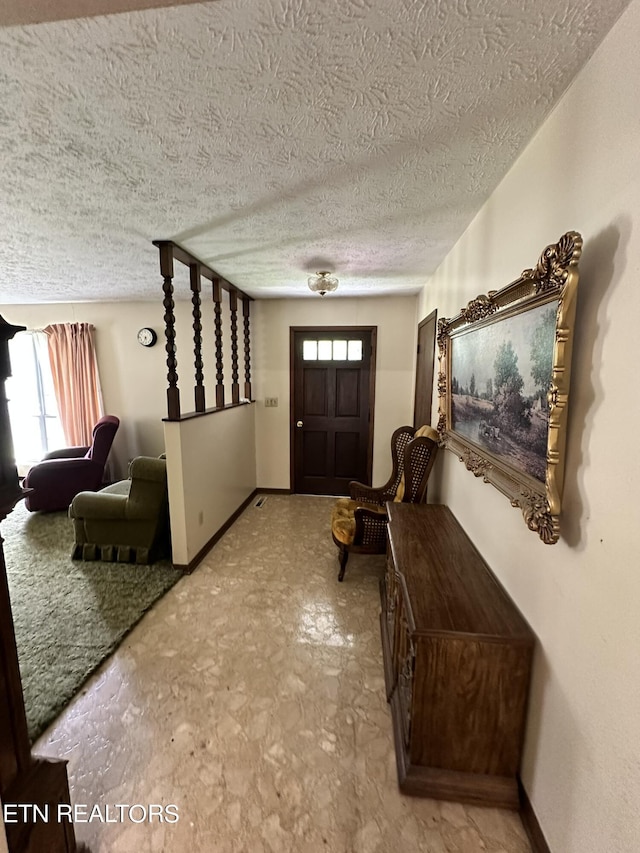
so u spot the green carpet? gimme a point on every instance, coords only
(68, 614)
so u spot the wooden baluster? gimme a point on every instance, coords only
(235, 386)
(199, 390)
(173, 392)
(217, 305)
(247, 349)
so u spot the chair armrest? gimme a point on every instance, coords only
(98, 505)
(368, 494)
(47, 474)
(144, 510)
(371, 526)
(148, 468)
(66, 453)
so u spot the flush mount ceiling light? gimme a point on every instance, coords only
(322, 282)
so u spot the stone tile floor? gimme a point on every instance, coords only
(252, 698)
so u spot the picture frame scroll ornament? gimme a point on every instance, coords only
(503, 384)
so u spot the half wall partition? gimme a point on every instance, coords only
(211, 469)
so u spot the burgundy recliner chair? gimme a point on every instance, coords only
(63, 473)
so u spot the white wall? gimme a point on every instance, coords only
(395, 318)
(211, 469)
(217, 452)
(582, 595)
(133, 377)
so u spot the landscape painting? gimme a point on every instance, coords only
(500, 378)
(503, 384)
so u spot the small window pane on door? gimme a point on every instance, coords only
(339, 350)
(324, 350)
(310, 350)
(355, 351)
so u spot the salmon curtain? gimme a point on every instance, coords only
(75, 379)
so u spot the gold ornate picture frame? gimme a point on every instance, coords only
(503, 384)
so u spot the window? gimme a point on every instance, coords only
(35, 424)
(338, 350)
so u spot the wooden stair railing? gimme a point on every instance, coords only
(170, 252)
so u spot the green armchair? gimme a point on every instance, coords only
(125, 522)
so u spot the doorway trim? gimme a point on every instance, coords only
(373, 333)
(427, 366)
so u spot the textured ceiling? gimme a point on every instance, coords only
(271, 139)
(36, 11)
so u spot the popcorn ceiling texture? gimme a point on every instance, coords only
(271, 139)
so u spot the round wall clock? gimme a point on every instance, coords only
(147, 337)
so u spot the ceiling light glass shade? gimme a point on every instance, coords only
(322, 282)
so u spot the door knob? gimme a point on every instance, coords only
(299, 424)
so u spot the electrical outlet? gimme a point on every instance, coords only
(270, 402)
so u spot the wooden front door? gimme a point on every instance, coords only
(332, 382)
(424, 371)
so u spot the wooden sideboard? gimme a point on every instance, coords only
(457, 659)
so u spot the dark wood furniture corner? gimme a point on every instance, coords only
(24, 778)
(457, 658)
